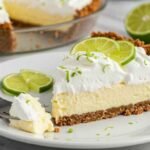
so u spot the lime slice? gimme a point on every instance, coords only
(120, 51)
(126, 54)
(98, 44)
(138, 22)
(14, 84)
(36, 81)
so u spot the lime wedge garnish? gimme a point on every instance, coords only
(126, 54)
(120, 51)
(138, 22)
(98, 44)
(26, 81)
(14, 84)
(36, 81)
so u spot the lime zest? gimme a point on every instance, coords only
(67, 75)
(109, 127)
(104, 67)
(70, 130)
(108, 134)
(130, 123)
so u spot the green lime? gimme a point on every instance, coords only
(126, 54)
(98, 44)
(36, 81)
(14, 84)
(138, 22)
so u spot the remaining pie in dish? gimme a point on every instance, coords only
(39, 13)
(92, 86)
(47, 12)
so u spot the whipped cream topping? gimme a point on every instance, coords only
(4, 18)
(139, 69)
(61, 7)
(27, 108)
(89, 72)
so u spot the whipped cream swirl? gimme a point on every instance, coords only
(138, 70)
(87, 72)
(4, 18)
(91, 71)
(28, 108)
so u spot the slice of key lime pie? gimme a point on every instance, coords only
(29, 115)
(100, 79)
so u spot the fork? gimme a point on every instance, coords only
(4, 110)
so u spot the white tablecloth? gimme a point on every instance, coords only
(111, 19)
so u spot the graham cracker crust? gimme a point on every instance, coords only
(104, 114)
(7, 38)
(89, 9)
(117, 37)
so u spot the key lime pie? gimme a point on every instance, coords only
(44, 12)
(103, 77)
(31, 116)
(39, 13)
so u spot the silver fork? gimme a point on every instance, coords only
(4, 110)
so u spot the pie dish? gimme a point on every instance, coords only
(95, 92)
(23, 32)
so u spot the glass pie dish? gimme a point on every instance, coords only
(29, 39)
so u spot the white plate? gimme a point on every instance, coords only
(117, 132)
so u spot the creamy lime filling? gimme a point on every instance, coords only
(62, 7)
(4, 18)
(67, 104)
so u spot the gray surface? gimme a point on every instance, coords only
(110, 20)
(10, 145)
